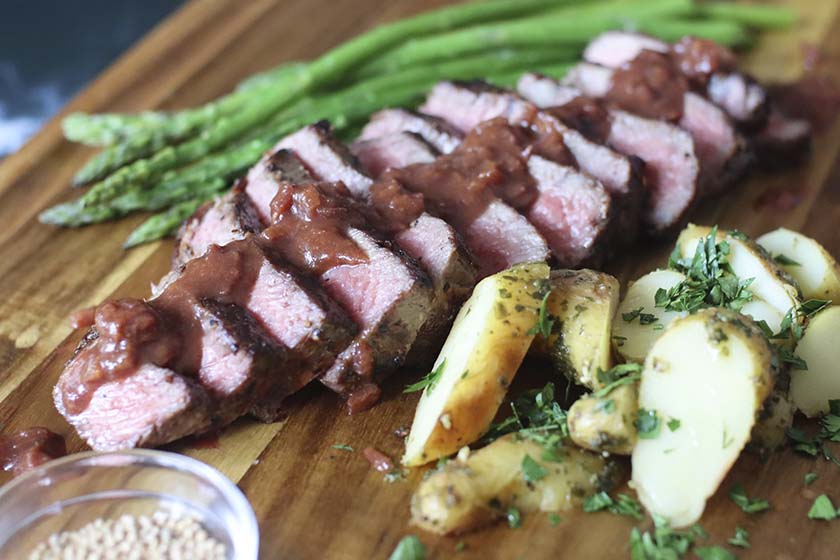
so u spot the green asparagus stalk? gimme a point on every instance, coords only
(163, 224)
(570, 26)
(140, 145)
(727, 33)
(752, 15)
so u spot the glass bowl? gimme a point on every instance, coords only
(68, 493)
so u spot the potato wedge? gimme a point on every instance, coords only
(582, 305)
(816, 271)
(632, 340)
(706, 379)
(488, 341)
(811, 389)
(605, 424)
(770, 283)
(465, 495)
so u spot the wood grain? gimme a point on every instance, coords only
(313, 501)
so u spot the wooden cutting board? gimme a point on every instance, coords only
(313, 501)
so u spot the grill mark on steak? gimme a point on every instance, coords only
(437, 132)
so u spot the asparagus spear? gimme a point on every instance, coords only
(163, 224)
(572, 25)
(728, 33)
(753, 15)
(139, 145)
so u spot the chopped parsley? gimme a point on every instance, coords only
(538, 417)
(822, 509)
(747, 504)
(607, 406)
(514, 518)
(554, 519)
(829, 432)
(622, 374)
(784, 260)
(741, 538)
(429, 380)
(710, 280)
(409, 548)
(644, 318)
(665, 543)
(713, 553)
(460, 546)
(727, 439)
(395, 475)
(648, 424)
(621, 505)
(674, 424)
(343, 447)
(531, 470)
(545, 322)
(810, 478)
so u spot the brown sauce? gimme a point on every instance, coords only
(308, 230)
(586, 115)
(699, 58)
(30, 448)
(378, 460)
(395, 207)
(491, 162)
(309, 224)
(83, 318)
(651, 85)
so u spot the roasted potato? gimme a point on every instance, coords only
(811, 389)
(605, 424)
(770, 431)
(813, 268)
(466, 494)
(770, 283)
(703, 384)
(633, 338)
(488, 341)
(582, 305)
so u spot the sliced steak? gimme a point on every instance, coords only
(225, 219)
(467, 103)
(317, 225)
(711, 67)
(435, 131)
(396, 149)
(671, 166)
(782, 141)
(151, 407)
(719, 147)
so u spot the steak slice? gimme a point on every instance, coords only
(387, 296)
(782, 141)
(225, 219)
(710, 66)
(396, 149)
(435, 131)
(466, 103)
(150, 407)
(671, 167)
(718, 145)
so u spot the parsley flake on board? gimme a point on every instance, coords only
(665, 543)
(822, 509)
(409, 548)
(460, 546)
(538, 417)
(818, 444)
(713, 553)
(554, 519)
(545, 322)
(741, 538)
(747, 504)
(674, 424)
(648, 424)
(621, 505)
(710, 280)
(342, 447)
(784, 260)
(810, 478)
(429, 380)
(531, 470)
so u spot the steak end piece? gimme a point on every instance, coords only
(150, 407)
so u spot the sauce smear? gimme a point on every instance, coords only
(30, 448)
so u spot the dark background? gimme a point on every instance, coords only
(49, 49)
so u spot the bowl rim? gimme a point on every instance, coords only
(240, 506)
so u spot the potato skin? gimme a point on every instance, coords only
(595, 426)
(482, 354)
(465, 495)
(582, 304)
